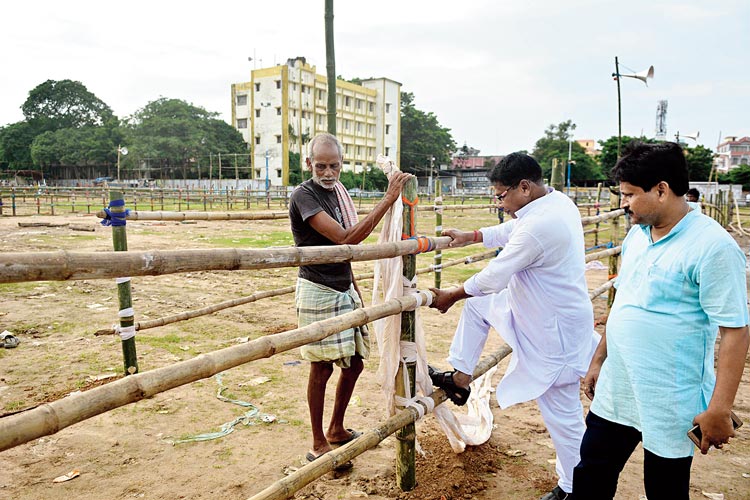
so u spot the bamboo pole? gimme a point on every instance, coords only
(601, 289)
(127, 320)
(288, 486)
(614, 203)
(184, 215)
(186, 315)
(63, 265)
(604, 253)
(438, 259)
(50, 418)
(406, 476)
(598, 199)
(612, 214)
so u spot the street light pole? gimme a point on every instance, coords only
(432, 162)
(268, 183)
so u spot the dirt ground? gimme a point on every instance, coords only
(130, 452)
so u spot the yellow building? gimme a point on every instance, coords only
(282, 107)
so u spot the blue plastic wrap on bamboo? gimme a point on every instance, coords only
(115, 219)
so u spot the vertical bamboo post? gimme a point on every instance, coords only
(597, 206)
(405, 437)
(614, 204)
(438, 260)
(120, 242)
(13, 201)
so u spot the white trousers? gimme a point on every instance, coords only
(562, 412)
(555, 387)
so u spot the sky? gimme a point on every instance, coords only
(497, 73)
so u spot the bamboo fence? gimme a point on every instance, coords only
(286, 487)
(62, 265)
(186, 315)
(50, 418)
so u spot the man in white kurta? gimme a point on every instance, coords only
(534, 294)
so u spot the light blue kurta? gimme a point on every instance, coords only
(672, 296)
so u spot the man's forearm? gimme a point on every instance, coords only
(732, 353)
(363, 228)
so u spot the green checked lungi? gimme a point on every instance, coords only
(318, 302)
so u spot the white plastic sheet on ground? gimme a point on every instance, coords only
(472, 428)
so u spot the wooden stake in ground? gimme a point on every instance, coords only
(438, 259)
(127, 319)
(406, 475)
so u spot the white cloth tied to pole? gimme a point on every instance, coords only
(473, 428)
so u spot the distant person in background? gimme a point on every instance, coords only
(693, 197)
(321, 212)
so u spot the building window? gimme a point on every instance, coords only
(294, 86)
(387, 151)
(257, 87)
(359, 127)
(359, 150)
(257, 173)
(388, 107)
(346, 149)
(278, 111)
(242, 100)
(372, 107)
(346, 124)
(278, 84)
(242, 123)
(278, 139)
(347, 101)
(387, 129)
(359, 104)
(257, 113)
(278, 173)
(257, 140)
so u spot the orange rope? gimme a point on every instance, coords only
(412, 214)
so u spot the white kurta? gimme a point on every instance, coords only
(536, 298)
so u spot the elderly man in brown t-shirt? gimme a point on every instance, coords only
(321, 213)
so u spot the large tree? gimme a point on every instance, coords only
(608, 156)
(555, 145)
(83, 146)
(172, 133)
(55, 105)
(422, 138)
(15, 145)
(699, 162)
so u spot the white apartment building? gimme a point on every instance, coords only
(732, 153)
(282, 107)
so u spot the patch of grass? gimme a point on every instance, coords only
(257, 240)
(14, 405)
(170, 343)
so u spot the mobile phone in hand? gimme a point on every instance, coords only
(696, 435)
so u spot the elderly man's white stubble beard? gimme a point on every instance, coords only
(327, 183)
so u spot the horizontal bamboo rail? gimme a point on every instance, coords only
(601, 289)
(186, 315)
(62, 265)
(604, 253)
(50, 418)
(286, 487)
(602, 217)
(134, 215)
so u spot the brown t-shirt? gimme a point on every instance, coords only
(307, 200)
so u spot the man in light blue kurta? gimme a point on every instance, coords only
(682, 280)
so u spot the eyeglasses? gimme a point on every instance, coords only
(502, 195)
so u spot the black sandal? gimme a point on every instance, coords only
(444, 380)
